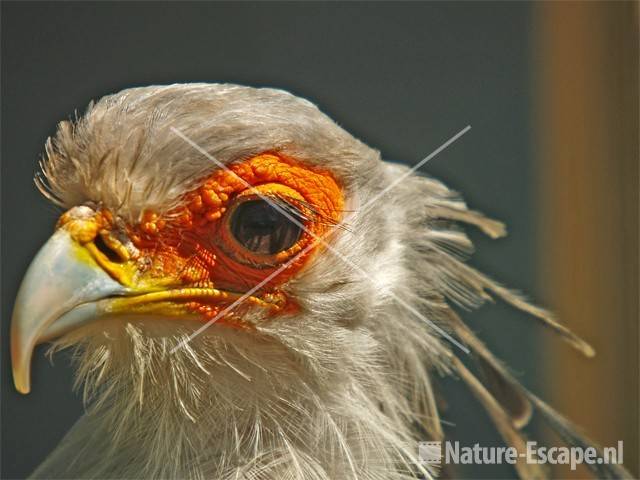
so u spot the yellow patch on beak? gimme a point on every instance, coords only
(62, 276)
(72, 282)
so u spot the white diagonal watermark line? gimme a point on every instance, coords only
(243, 297)
(267, 199)
(402, 303)
(433, 325)
(367, 205)
(317, 238)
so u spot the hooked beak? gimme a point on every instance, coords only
(55, 296)
(72, 282)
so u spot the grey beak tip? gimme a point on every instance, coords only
(56, 282)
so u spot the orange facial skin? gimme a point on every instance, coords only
(192, 246)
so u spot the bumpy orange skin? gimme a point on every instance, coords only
(193, 245)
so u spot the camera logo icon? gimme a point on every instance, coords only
(430, 453)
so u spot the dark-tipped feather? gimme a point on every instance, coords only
(516, 394)
(503, 422)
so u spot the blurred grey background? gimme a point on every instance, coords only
(402, 77)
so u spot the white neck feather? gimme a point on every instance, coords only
(234, 406)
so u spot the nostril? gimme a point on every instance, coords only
(108, 252)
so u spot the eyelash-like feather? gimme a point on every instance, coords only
(306, 212)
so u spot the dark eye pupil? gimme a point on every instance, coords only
(259, 227)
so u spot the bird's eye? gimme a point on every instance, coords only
(261, 228)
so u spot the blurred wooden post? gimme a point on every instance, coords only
(586, 56)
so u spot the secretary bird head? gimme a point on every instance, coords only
(253, 293)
